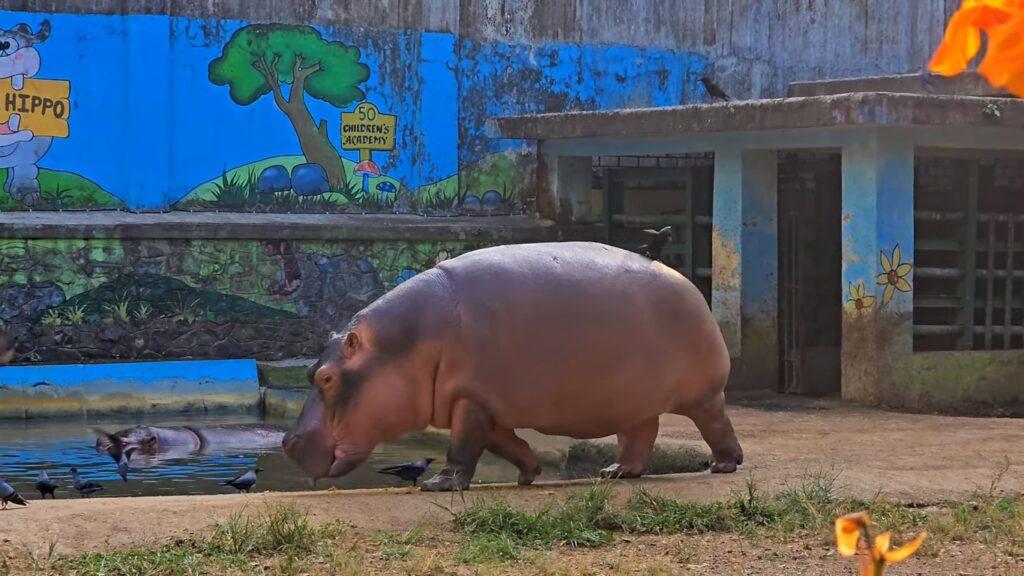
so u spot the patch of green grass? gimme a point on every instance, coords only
(393, 546)
(495, 531)
(647, 512)
(282, 535)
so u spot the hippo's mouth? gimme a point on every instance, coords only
(317, 462)
(344, 463)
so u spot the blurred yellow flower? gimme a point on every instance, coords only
(894, 274)
(1003, 23)
(852, 538)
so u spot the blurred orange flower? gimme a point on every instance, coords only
(852, 537)
(1003, 23)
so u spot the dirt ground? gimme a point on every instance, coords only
(915, 458)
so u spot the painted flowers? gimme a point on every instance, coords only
(859, 298)
(1003, 24)
(852, 537)
(894, 274)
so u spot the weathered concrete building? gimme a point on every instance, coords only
(212, 180)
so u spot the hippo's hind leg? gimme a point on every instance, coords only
(471, 433)
(716, 429)
(505, 444)
(635, 447)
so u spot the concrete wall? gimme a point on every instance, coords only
(169, 127)
(195, 113)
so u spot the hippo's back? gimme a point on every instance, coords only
(578, 327)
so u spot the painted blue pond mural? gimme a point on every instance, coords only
(224, 115)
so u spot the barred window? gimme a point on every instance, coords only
(643, 192)
(968, 253)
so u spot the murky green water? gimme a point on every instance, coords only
(57, 445)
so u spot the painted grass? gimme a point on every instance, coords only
(62, 191)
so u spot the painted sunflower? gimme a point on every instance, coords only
(894, 274)
(859, 298)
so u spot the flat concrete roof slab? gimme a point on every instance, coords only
(840, 110)
(966, 84)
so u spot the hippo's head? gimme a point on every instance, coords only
(361, 398)
(18, 57)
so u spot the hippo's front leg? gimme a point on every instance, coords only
(471, 433)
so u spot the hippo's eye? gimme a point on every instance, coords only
(326, 380)
(8, 46)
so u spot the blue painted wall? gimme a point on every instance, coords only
(149, 128)
(131, 388)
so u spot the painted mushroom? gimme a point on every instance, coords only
(367, 169)
(386, 189)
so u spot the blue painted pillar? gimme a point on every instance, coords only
(744, 261)
(759, 292)
(727, 245)
(878, 249)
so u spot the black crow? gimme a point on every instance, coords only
(45, 485)
(9, 494)
(714, 90)
(84, 487)
(408, 471)
(657, 243)
(244, 481)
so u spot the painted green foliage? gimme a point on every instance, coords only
(260, 58)
(200, 298)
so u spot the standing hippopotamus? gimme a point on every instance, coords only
(574, 339)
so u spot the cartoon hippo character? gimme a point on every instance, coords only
(20, 150)
(573, 339)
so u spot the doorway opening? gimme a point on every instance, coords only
(810, 273)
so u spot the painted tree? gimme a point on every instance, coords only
(261, 58)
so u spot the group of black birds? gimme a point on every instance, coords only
(243, 482)
(8, 495)
(46, 486)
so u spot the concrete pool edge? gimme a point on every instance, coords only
(173, 387)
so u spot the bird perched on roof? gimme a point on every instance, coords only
(244, 481)
(84, 487)
(657, 243)
(9, 494)
(46, 486)
(714, 90)
(408, 471)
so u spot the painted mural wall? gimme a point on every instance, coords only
(70, 300)
(151, 112)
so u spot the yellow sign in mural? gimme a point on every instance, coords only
(42, 105)
(365, 128)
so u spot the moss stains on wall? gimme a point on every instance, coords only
(960, 382)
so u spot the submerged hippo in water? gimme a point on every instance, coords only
(574, 339)
(169, 442)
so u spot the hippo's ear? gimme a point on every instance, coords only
(351, 345)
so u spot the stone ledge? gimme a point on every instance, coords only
(966, 84)
(245, 226)
(831, 111)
